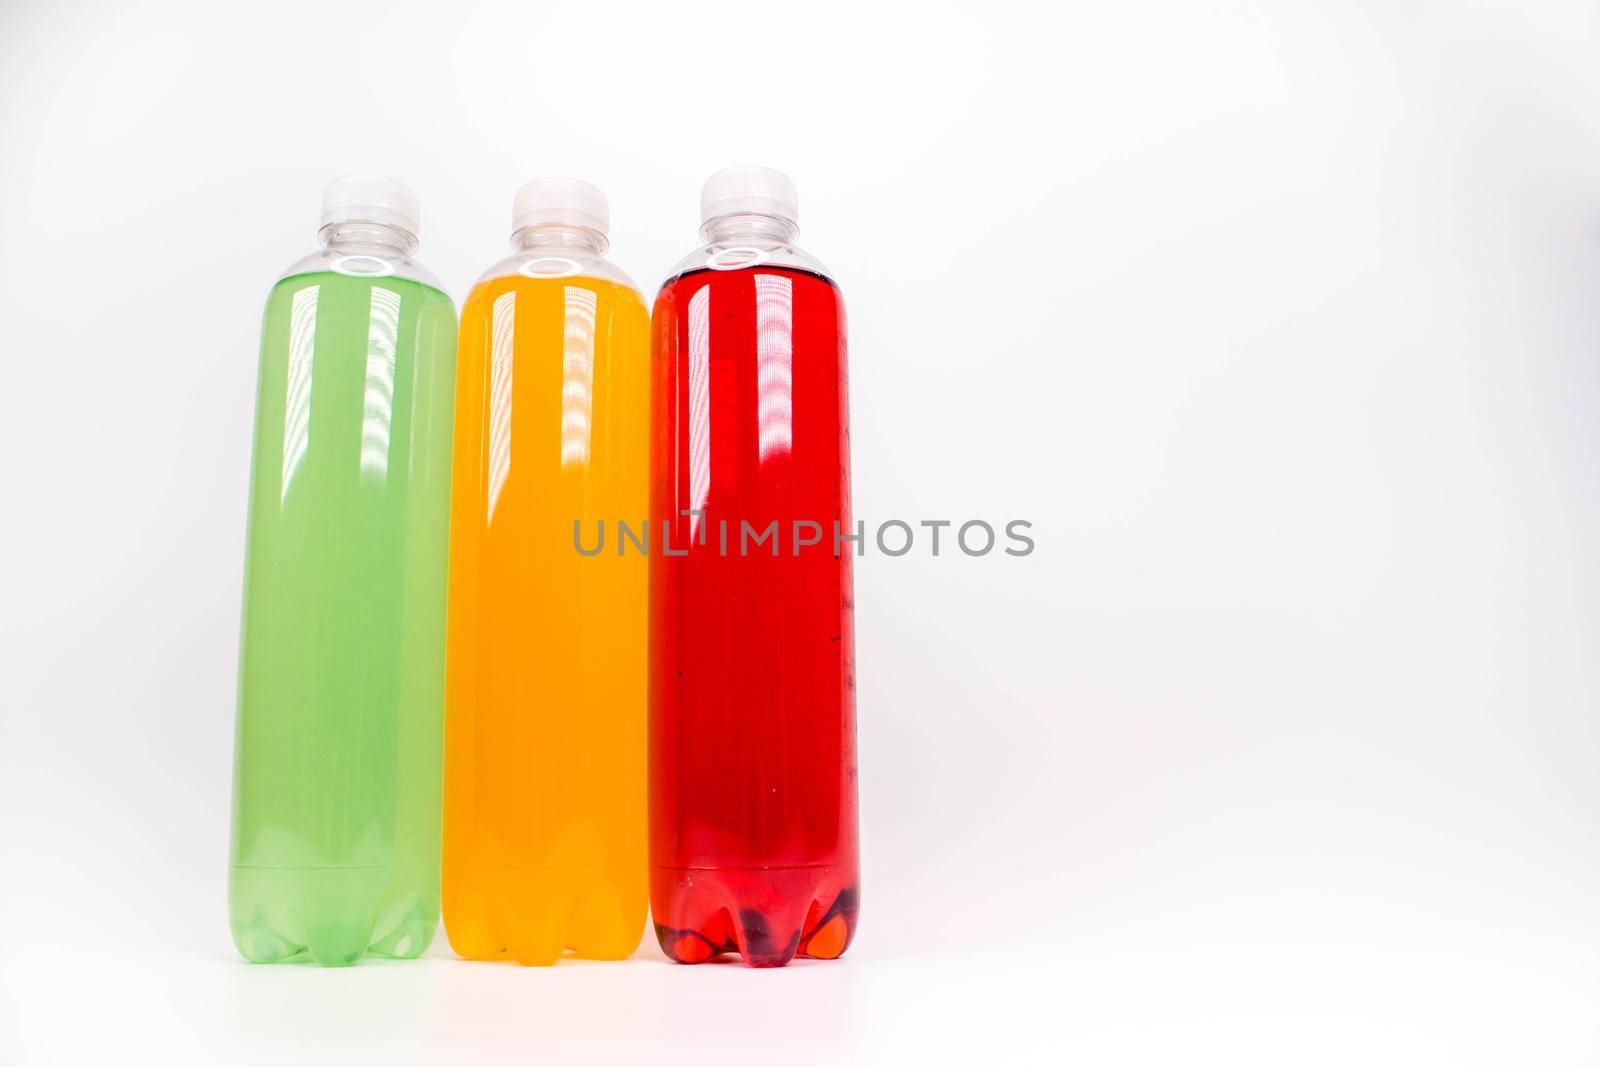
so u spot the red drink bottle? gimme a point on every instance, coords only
(752, 663)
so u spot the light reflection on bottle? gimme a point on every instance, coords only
(577, 374)
(383, 330)
(297, 390)
(501, 358)
(699, 403)
(774, 364)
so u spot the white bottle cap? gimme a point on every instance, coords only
(371, 198)
(560, 202)
(756, 190)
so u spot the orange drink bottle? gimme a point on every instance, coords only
(546, 703)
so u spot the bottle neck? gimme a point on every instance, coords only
(368, 237)
(555, 236)
(759, 231)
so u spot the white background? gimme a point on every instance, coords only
(1280, 322)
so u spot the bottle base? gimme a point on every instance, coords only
(768, 916)
(535, 916)
(331, 916)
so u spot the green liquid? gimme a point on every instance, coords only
(337, 758)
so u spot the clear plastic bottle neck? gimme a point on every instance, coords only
(551, 236)
(760, 231)
(368, 237)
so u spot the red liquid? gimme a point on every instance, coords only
(752, 658)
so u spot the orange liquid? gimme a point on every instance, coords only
(544, 807)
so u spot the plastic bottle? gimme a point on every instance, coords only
(335, 849)
(753, 842)
(544, 843)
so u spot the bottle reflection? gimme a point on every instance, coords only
(577, 374)
(297, 388)
(502, 337)
(774, 364)
(699, 405)
(383, 328)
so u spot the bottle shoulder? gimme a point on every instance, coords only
(555, 265)
(738, 257)
(366, 265)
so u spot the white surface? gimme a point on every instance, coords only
(1282, 746)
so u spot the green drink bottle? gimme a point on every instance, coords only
(335, 849)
